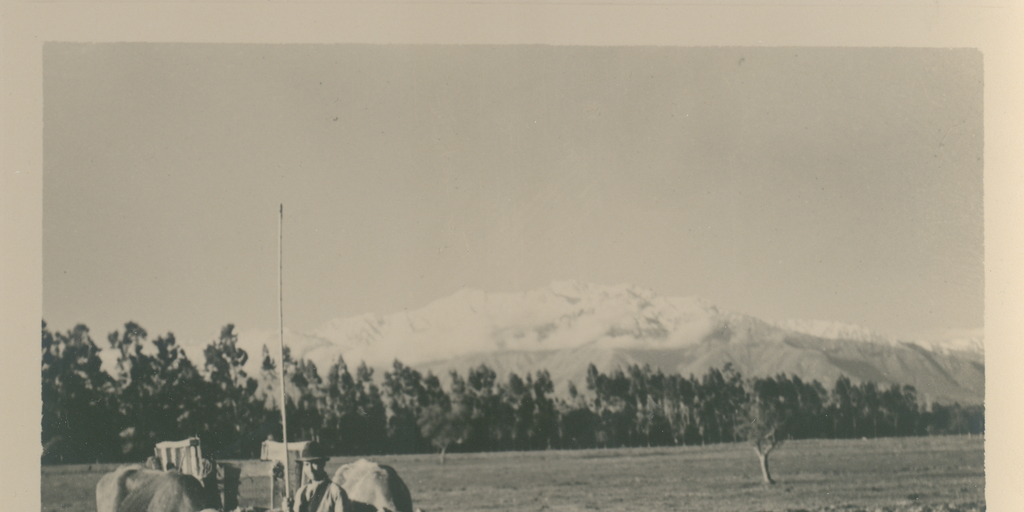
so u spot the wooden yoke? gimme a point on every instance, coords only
(186, 456)
(220, 481)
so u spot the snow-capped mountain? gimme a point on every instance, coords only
(564, 315)
(568, 325)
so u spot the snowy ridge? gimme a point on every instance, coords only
(971, 341)
(963, 340)
(835, 331)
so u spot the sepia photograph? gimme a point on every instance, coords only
(513, 275)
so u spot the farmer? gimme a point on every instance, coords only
(320, 494)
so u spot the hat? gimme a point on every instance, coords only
(310, 452)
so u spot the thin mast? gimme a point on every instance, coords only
(280, 323)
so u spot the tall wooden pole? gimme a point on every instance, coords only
(280, 323)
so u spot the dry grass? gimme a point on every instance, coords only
(913, 474)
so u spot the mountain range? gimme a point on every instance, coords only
(566, 326)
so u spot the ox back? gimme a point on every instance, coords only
(376, 485)
(136, 489)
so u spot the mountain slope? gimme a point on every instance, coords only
(567, 326)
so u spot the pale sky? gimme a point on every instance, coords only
(787, 183)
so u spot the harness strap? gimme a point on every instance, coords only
(318, 496)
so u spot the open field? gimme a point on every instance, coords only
(905, 474)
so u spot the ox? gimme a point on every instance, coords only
(369, 484)
(137, 489)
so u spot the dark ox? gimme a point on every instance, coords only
(372, 486)
(137, 489)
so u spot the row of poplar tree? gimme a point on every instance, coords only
(156, 393)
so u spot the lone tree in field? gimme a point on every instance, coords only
(765, 418)
(445, 420)
(444, 426)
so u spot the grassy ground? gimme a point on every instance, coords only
(913, 474)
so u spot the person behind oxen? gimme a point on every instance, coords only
(320, 494)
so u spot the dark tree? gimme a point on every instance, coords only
(841, 409)
(230, 410)
(371, 413)
(482, 401)
(403, 386)
(78, 420)
(304, 392)
(518, 410)
(157, 395)
(545, 418)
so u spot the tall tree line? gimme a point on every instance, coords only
(156, 393)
